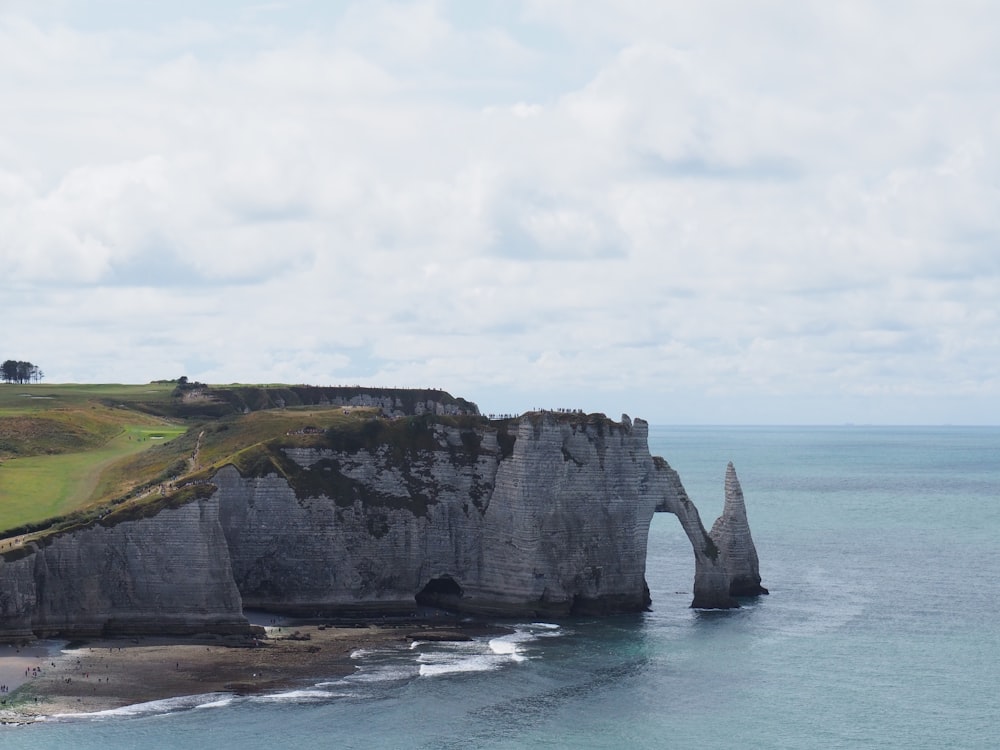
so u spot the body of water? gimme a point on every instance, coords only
(881, 548)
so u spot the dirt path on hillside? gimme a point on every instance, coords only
(193, 461)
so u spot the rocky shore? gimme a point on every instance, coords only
(54, 679)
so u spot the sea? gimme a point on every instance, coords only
(881, 550)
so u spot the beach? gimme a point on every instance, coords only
(54, 678)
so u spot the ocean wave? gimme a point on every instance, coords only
(534, 630)
(393, 672)
(305, 695)
(152, 708)
(438, 658)
(507, 646)
(435, 667)
(482, 654)
(221, 703)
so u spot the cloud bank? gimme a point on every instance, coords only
(708, 213)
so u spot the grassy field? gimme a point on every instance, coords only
(39, 487)
(57, 441)
(67, 448)
(73, 454)
(27, 399)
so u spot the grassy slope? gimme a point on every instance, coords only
(56, 441)
(26, 399)
(71, 449)
(75, 452)
(228, 440)
(39, 487)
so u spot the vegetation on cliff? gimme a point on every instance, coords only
(75, 455)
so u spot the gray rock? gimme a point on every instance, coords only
(165, 574)
(731, 534)
(546, 515)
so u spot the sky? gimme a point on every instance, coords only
(695, 213)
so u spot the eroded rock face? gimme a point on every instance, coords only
(557, 525)
(567, 523)
(731, 534)
(547, 515)
(711, 577)
(394, 523)
(166, 574)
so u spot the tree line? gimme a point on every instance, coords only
(15, 371)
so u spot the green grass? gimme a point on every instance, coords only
(124, 468)
(57, 441)
(42, 486)
(80, 454)
(19, 399)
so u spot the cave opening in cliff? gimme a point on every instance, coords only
(442, 592)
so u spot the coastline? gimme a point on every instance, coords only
(110, 673)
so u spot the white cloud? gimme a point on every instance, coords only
(658, 207)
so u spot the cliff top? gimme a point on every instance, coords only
(148, 462)
(69, 453)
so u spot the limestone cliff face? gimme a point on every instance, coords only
(544, 515)
(731, 534)
(567, 522)
(389, 523)
(557, 524)
(551, 517)
(166, 574)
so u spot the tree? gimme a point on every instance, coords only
(16, 371)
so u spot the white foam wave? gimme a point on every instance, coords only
(436, 658)
(501, 646)
(307, 695)
(542, 630)
(221, 703)
(507, 646)
(382, 673)
(479, 655)
(150, 708)
(482, 663)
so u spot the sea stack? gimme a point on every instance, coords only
(731, 534)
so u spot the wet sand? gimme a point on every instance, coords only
(17, 663)
(110, 673)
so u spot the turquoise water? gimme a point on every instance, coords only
(881, 547)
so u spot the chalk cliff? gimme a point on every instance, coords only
(165, 574)
(731, 534)
(545, 514)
